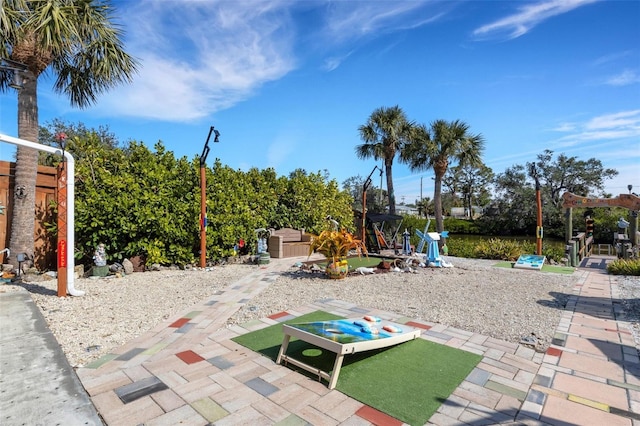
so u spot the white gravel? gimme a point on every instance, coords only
(629, 288)
(474, 296)
(114, 311)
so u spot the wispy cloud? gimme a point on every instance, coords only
(612, 57)
(527, 17)
(625, 78)
(346, 24)
(350, 20)
(200, 57)
(331, 63)
(622, 125)
(619, 120)
(565, 127)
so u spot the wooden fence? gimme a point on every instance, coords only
(44, 242)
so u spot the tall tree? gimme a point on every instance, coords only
(436, 147)
(78, 42)
(514, 197)
(472, 182)
(375, 202)
(386, 132)
(570, 174)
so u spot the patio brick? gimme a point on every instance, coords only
(209, 409)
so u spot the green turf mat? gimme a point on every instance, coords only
(408, 381)
(568, 270)
(267, 341)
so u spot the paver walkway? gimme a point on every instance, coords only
(188, 371)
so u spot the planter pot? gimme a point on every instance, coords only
(100, 271)
(337, 271)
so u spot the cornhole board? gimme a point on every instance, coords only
(342, 337)
(530, 261)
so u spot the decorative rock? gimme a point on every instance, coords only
(138, 263)
(128, 266)
(78, 271)
(116, 267)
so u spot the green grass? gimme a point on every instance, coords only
(408, 381)
(568, 270)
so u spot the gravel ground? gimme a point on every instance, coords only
(630, 294)
(114, 311)
(474, 296)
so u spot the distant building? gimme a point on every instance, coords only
(462, 212)
(406, 210)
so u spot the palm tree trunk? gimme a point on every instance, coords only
(437, 202)
(24, 200)
(392, 198)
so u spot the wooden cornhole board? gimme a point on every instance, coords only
(530, 261)
(342, 337)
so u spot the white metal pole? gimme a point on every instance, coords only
(70, 202)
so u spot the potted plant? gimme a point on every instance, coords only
(335, 246)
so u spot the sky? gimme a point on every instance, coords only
(287, 83)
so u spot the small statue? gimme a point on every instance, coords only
(100, 256)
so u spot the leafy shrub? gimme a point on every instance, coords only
(461, 247)
(496, 248)
(624, 267)
(553, 253)
(460, 226)
(138, 201)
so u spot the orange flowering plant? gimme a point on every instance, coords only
(336, 245)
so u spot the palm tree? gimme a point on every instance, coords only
(436, 147)
(78, 43)
(384, 135)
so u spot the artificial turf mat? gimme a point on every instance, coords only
(568, 270)
(407, 381)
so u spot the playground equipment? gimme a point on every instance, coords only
(375, 234)
(430, 239)
(579, 246)
(406, 245)
(423, 238)
(433, 257)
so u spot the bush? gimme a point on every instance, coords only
(499, 249)
(461, 226)
(496, 248)
(553, 253)
(461, 248)
(624, 267)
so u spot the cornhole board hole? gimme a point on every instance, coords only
(342, 337)
(529, 261)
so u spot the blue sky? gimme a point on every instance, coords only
(287, 83)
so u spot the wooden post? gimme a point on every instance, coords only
(62, 230)
(568, 224)
(203, 196)
(363, 231)
(539, 229)
(203, 216)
